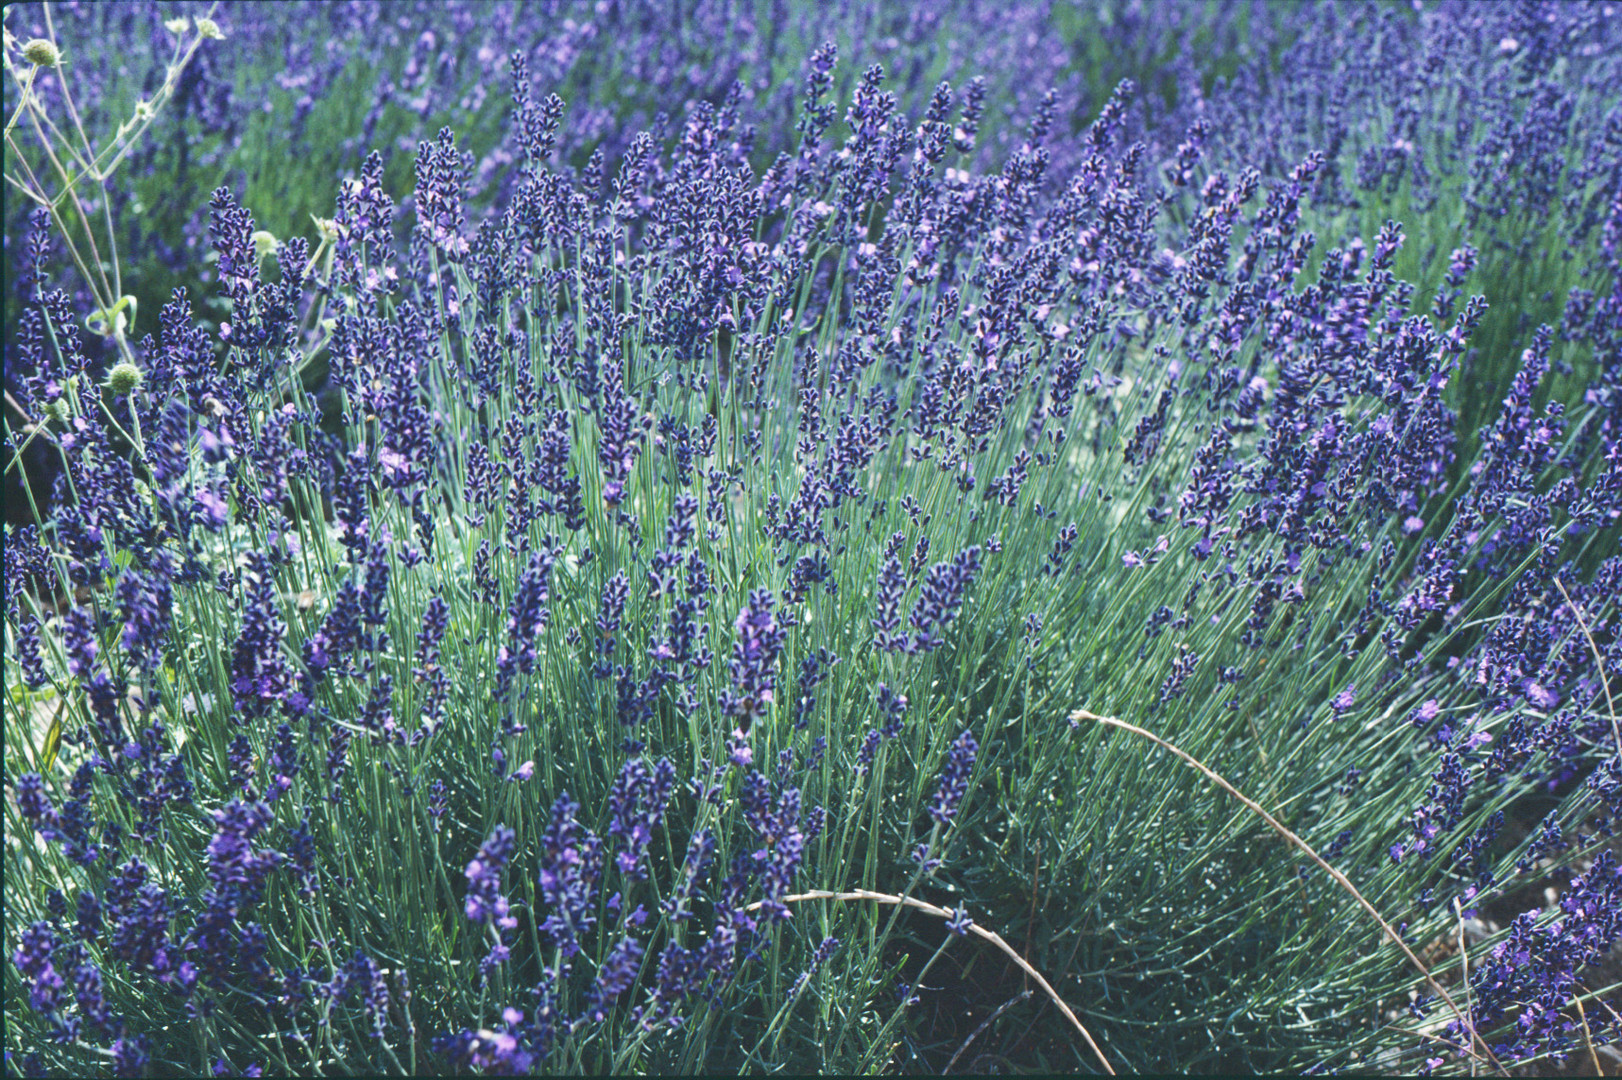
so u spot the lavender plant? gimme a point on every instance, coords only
(308, 89)
(697, 540)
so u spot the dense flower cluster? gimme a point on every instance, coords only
(961, 401)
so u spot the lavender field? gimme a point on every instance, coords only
(776, 536)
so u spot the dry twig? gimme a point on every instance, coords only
(1599, 661)
(1339, 878)
(974, 928)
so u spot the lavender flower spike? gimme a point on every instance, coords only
(954, 778)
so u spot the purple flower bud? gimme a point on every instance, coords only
(754, 660)
(954, 778)
(618, 972)
(943, 593)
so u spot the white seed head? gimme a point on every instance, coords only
(42, 53)
(125, 378)
(264, 243)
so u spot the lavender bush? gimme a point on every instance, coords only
(461, 641)
(306, 91)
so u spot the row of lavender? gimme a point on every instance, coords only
(303, 94)
(689, 535)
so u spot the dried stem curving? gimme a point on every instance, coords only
(1339, 878)
(1599, 660)
(980, 931)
